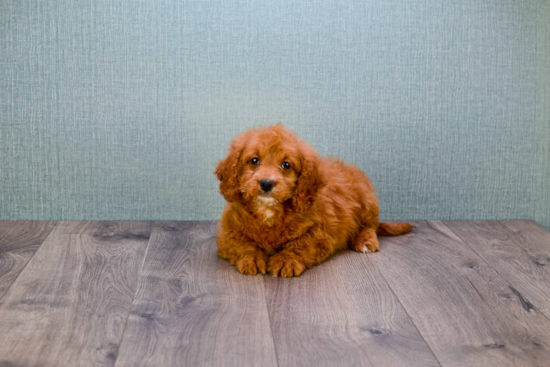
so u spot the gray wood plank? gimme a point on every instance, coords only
(468, 314)
(342, 313)
(19, 240)
(520, 255)
(69, 305)
(193, 309)
(532, 238)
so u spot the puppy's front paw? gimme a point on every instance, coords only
(252, 263)
(285, 266)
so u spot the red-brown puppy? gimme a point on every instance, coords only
(289, 209)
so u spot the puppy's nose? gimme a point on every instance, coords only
(266, 184)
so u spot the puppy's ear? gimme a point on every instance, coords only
(227, 173)
(308, 184)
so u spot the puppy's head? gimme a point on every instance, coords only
(270, 164)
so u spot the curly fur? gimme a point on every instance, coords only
(318, 206)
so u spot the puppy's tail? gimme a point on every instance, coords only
(393, 229)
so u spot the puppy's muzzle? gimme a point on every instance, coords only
(266, 185)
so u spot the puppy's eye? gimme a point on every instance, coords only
(286, 165)
(255, 161)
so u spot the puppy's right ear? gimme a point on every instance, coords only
(227, 173)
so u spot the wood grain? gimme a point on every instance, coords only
(468, 314)
(520, 255)
(18, 242)
(69, 305)
(342, 313)
(193, 309)
(533, 239)
(453, 293)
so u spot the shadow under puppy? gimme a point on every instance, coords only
(289, 209)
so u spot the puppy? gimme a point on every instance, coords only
(289, 209)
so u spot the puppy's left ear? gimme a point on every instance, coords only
(308, 184)
(227, 173)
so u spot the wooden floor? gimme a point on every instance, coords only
(156, 294)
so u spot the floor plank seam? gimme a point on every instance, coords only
(270, 323)
(29, 260)
(407, 312)
(135, 292)
(521, 295)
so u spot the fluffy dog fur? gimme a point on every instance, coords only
(316, 207)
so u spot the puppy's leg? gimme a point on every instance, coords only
(299, 255)
(366, 241)
(247, 257)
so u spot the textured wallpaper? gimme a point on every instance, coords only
(121, 109)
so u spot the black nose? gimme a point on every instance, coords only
(266, 184)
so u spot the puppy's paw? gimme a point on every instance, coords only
(252, 263)
(285, 266)
(373, 245)
(367, 241)
(367, 247)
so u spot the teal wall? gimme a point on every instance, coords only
(120, 109)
